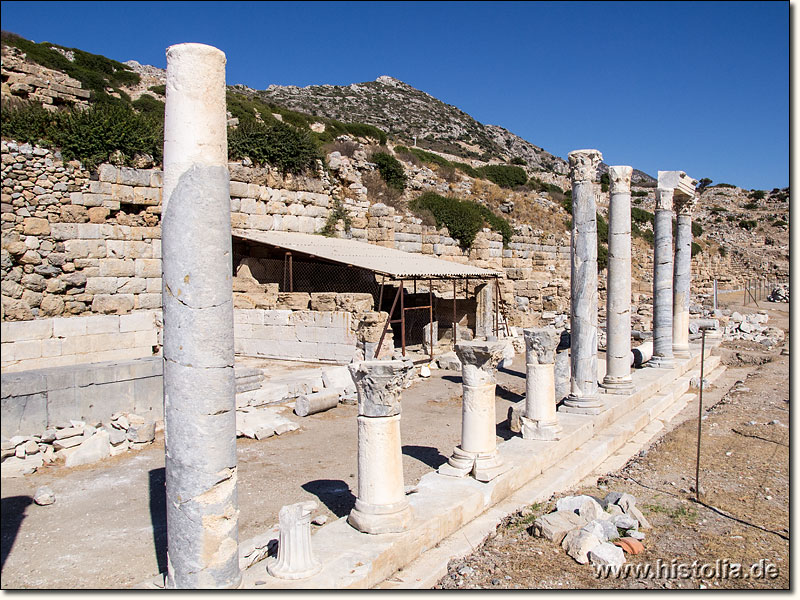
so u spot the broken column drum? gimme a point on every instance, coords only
(684, 206)
(199, 384)
(484, 326)
(540, 421)
(295, 558)
(618, 286)
(583, 396)
(477, 453)
(381, 505)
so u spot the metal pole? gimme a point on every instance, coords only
(430, 304)
(700, 418)
(402, 319)
(291, 273)
(454, 314)
(380, 297)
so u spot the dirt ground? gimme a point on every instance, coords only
(107, 528)
(744, 473)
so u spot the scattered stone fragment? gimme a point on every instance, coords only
(637, 535)
(556, 525)
(92, 450)
(44, 496)
(320, 520)
(285, 428)
(465, 570)
(637, 514)
(31, 447)
(69, 442)
(624, 522)
(49, 436)
(141, 432)
(607, 554)
(116, 436)
(578, 543)
(68, 432)
(18, 467)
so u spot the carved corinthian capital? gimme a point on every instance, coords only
(583, 164)
(664, 199)
(620, 179)
(685, 205)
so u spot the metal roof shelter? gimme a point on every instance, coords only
(395, 264)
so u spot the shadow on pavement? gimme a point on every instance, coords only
(13, 513)
(426, 455)
(333, 493)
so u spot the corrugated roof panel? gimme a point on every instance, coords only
(388, 261)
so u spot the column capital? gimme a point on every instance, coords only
(620, 179)
(541, 343)
(583, 164)
(379, 384)
(479, 360)
(685, 205)
(664, 198)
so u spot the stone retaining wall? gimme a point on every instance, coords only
(61, 341)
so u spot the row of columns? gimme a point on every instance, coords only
(199, 390)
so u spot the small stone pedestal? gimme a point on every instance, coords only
(381, 505)
(477, 453)
(540, 421)
(295, 557)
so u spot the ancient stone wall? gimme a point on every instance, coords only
(27, 80)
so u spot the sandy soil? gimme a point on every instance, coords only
(744, 473)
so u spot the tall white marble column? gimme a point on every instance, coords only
(199, 386)
(669, 183)
(618, 286)
(477, 453)
(381, 505)
(684, 206)
(540, 421)
(583, 396)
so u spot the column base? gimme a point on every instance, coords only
(283, 573)
(582, 405)
(681, 352)
(536, 430)
(373, 520)
(617, 385)
(661, 362)
(483, 466)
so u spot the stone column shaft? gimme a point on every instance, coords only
(583, 395)
(540, 421)
(682, 278)
(618, 298)
(381, 505)
(295, 558)
(662, 281)
(199, 386)
(484, 326)
(477, 453)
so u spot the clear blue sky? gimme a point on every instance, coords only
(696, 86)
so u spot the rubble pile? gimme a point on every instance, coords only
(593, 530)
(753, 327)
(76, 443)
(779, 294)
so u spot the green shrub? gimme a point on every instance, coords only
(723, 251)
(696, 248)
(504, 175)
(697, 229)
(538, 185)
(276, 143)
(518, 160)
(338, 213)
(757, 194)
(424, 156)
(638, 193)
(747, 224)
(602, 257)
(722, 185)
(91, 135)
(366, 131)
(391, 170)
(467, 170)
(148, 104)
(604, 180)
(463, 218)
(641, 216)
(161, 90)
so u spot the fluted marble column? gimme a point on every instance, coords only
(199, 386)
(295, 558)
(540, 421)
(583, 397)
(684, 206)
(381, 505)
(477, 453)
(618, 287)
